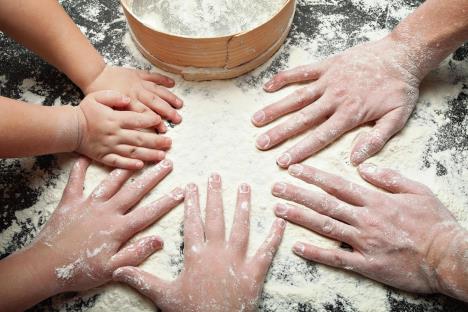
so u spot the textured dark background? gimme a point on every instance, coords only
(18, 192)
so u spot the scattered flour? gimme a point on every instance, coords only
(205, 18)
(217, 135)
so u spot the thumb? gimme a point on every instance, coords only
(110, 98)
(145, 283)
(370, 143)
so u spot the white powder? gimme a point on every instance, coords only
(217, 135)
(205, 18)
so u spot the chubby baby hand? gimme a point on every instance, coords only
(115, 137)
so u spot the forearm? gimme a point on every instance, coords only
(27, 279)
(45, 28)
(31, 129)
(432, 32)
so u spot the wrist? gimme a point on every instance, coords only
(446, 258)
(87, 83)
(70, 128)
(29, 276)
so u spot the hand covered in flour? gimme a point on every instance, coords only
(87, 237)
(148, 91)
(372, 82)
(114, 137)
(404, 237)
(217, 275)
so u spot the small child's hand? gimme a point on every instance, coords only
(114, 137)
(148, 91)
(86, 238)
(217, 275)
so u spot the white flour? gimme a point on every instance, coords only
(205, 18)
(217, 135)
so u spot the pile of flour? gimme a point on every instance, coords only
(205, 18)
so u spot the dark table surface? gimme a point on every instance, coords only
(22, 181)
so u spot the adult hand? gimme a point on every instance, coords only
(404, 238)
(217, 275)
(87, 238)
(113, 137)
(372, 82)
(148, 91)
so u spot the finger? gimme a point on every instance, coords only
(161, 128)
(132, 120)
(194, 234)
(76, 179)
(298, 74)
(145, 139)
(138, 107)
(159, 106)
(369, 144)
(214, 219)
(117, 161)
(391, 180)
(342, 189)
(293, 102)
(112, 99)
(132, 193)
(320, 202)
(297, 123)
(142, 217)
(145, 283)
(318, 223)
(318, 139)
(265, 254)
(140, 153)
(239, 239)
(135, 253)
(164, 94)
(337, 258)
(156, 78)
(111, 185)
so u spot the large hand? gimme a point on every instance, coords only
(372, 82)
(402, 238)
(114, 137)
(148, 91)
(217, 275)
(86, 238)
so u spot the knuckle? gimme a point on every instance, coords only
(328, 226)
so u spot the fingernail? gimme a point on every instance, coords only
(263, 141)
(360, 155)
(244, 188)
(269, 85)
(215, 177)
(259, 116)
(166, 163)
(284, 160)
(368, 168)
(179, 102)
(279, 188)
(299, 248)
(296, 170)
(281, 223)
(156, 243)
(177, 194)
(126, 99)
(281, 209)
(191, 187)
(118, 273)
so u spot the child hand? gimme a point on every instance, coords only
(86, 239)
(217, 275)
(113, 137)
(142, 87)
